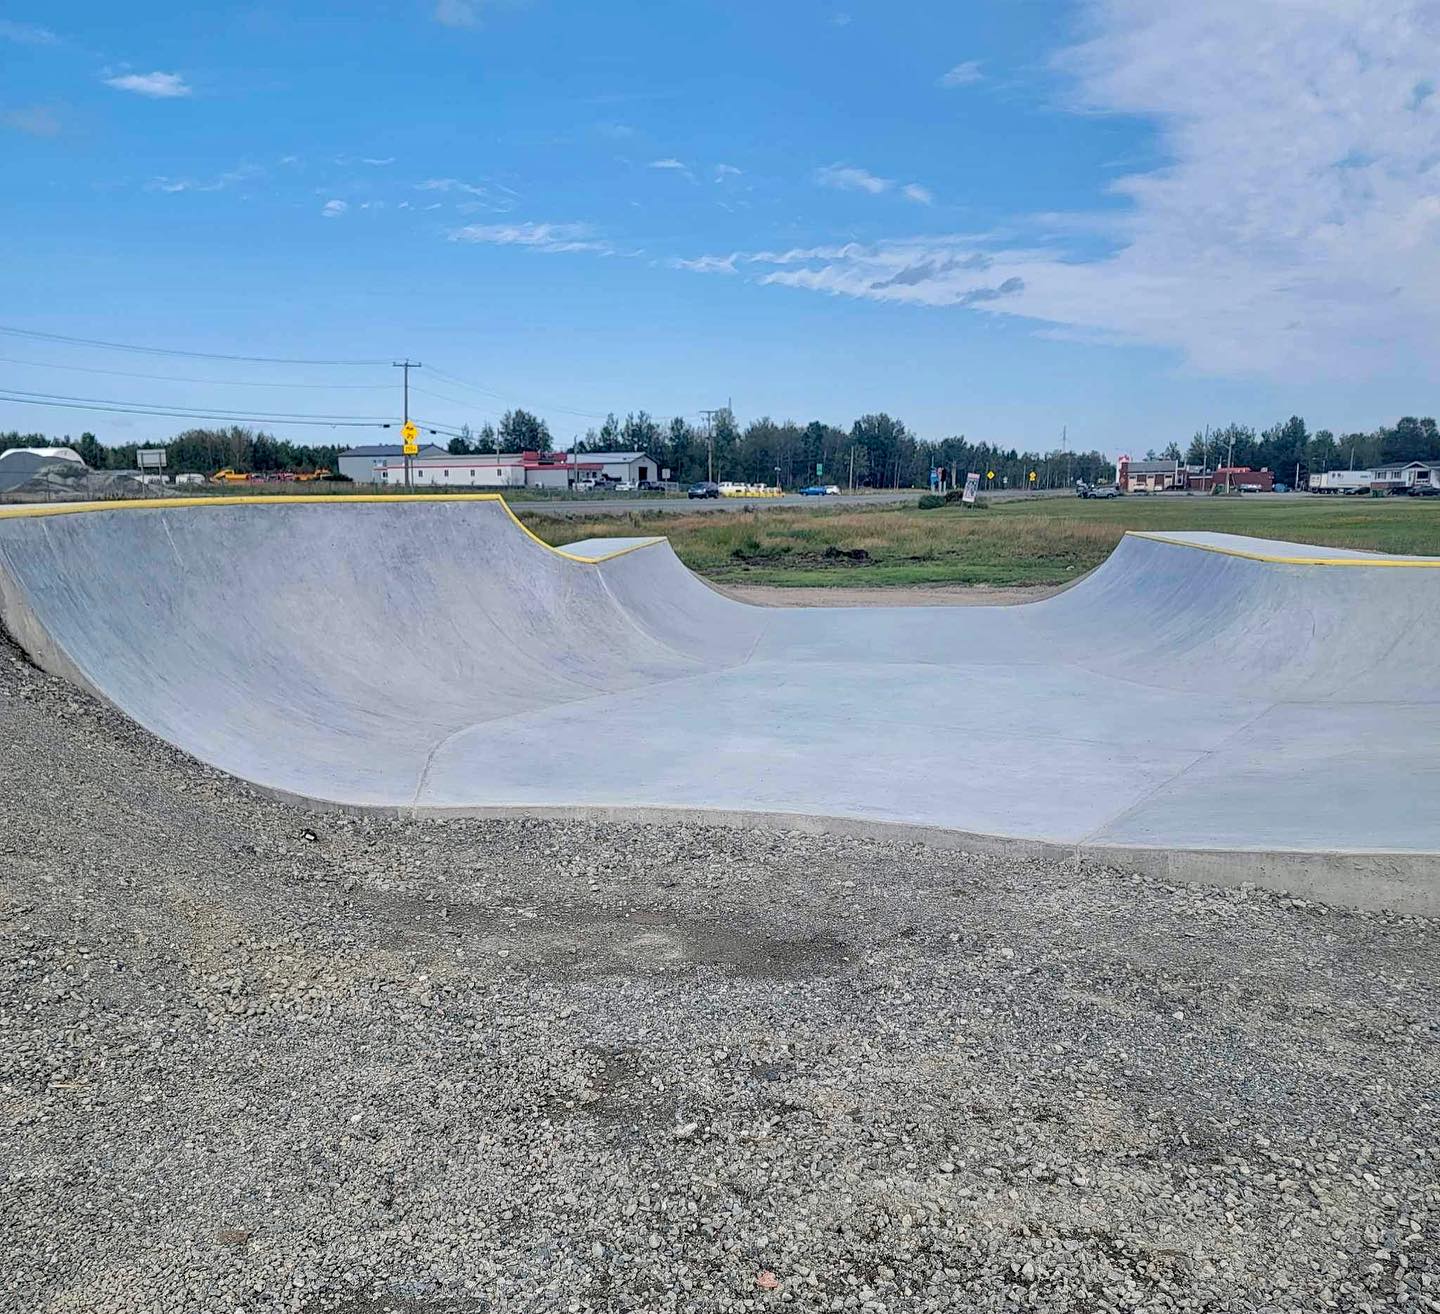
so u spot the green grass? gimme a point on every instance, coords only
(1046, 541)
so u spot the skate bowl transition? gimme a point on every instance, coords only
(1201, 706)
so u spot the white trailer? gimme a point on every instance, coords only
(1342, 481)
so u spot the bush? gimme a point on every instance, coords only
(932, 500)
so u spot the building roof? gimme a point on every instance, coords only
(391, 449)
(606, 457)
(1154, 467)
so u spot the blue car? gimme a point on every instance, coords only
(815, 490)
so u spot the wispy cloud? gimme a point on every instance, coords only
(1289, 233)
(377, 164)
(709, 264)
(26, 34)
(487, 195)
(723, 171)
(36, 120)
(847, 178)
(673, 166)
(231, 177)
(159, 86)
(963, 75)
(457, 13)
(334, 209)
(551, 237)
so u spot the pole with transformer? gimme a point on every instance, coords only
(409, 433)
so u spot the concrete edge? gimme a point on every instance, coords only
(1278, 559)
(1398, 882)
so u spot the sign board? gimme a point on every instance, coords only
(1032, 476)
(410, 433)
(972, 487)
(819, 468)
(150, 458)
(665, 473)
(989, 474)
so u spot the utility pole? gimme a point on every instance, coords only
(1065, 450)
(710, 438)
(852, 469)
(407, 365)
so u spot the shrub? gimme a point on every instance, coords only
(932, 500)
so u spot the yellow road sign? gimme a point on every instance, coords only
(1032, 476)
(410, 432)
(989, 474)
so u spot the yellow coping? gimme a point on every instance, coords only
(39, 509)
(1278, 559)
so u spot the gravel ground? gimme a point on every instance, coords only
(254, 1059)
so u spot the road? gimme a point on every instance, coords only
(615, 506)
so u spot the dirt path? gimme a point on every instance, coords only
(923, 595)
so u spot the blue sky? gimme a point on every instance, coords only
(994, 218)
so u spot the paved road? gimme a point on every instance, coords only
(1197, 694)
(605, 505)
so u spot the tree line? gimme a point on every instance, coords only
(876, 451)
(196, 451)
(1294, 453)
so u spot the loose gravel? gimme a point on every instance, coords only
(255, 1058)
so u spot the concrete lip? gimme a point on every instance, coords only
(1201, 705)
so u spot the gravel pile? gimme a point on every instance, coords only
(258, 1059)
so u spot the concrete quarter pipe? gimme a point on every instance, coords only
(1199, 706)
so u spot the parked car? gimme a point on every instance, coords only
(703, 489)
(623, 486)
(1424, 490)
(1102, 491)
(815, 490)
(832, 490)
(651, 486)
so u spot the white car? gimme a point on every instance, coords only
(624, 486)
(832, 490)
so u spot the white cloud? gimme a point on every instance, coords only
(488, 196)
(36, 120)
(537, 236)
(160, 86)
(376, 164)
(457, 13)
(920, 195)
(240, 174)
(673, 166)
(723, 171)
(963, 75)
(334, 209)
(709, 264)
(27, 34)
(846, 178)
(1293, 231)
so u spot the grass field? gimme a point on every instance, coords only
(1037, 542)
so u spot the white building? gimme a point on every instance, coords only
(482, 472)
(626, 466)
(360, 463)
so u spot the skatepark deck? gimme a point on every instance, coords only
(1201, 705)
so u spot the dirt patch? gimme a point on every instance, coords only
(920, 595)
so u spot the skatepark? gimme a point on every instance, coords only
(1202, 705)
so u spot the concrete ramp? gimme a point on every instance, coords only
(1199, 705)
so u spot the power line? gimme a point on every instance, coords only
(137, 408)
(174, 378)
(174, 351)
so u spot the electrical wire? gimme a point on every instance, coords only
(127, 408)
(173, 351)
(172, 378)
